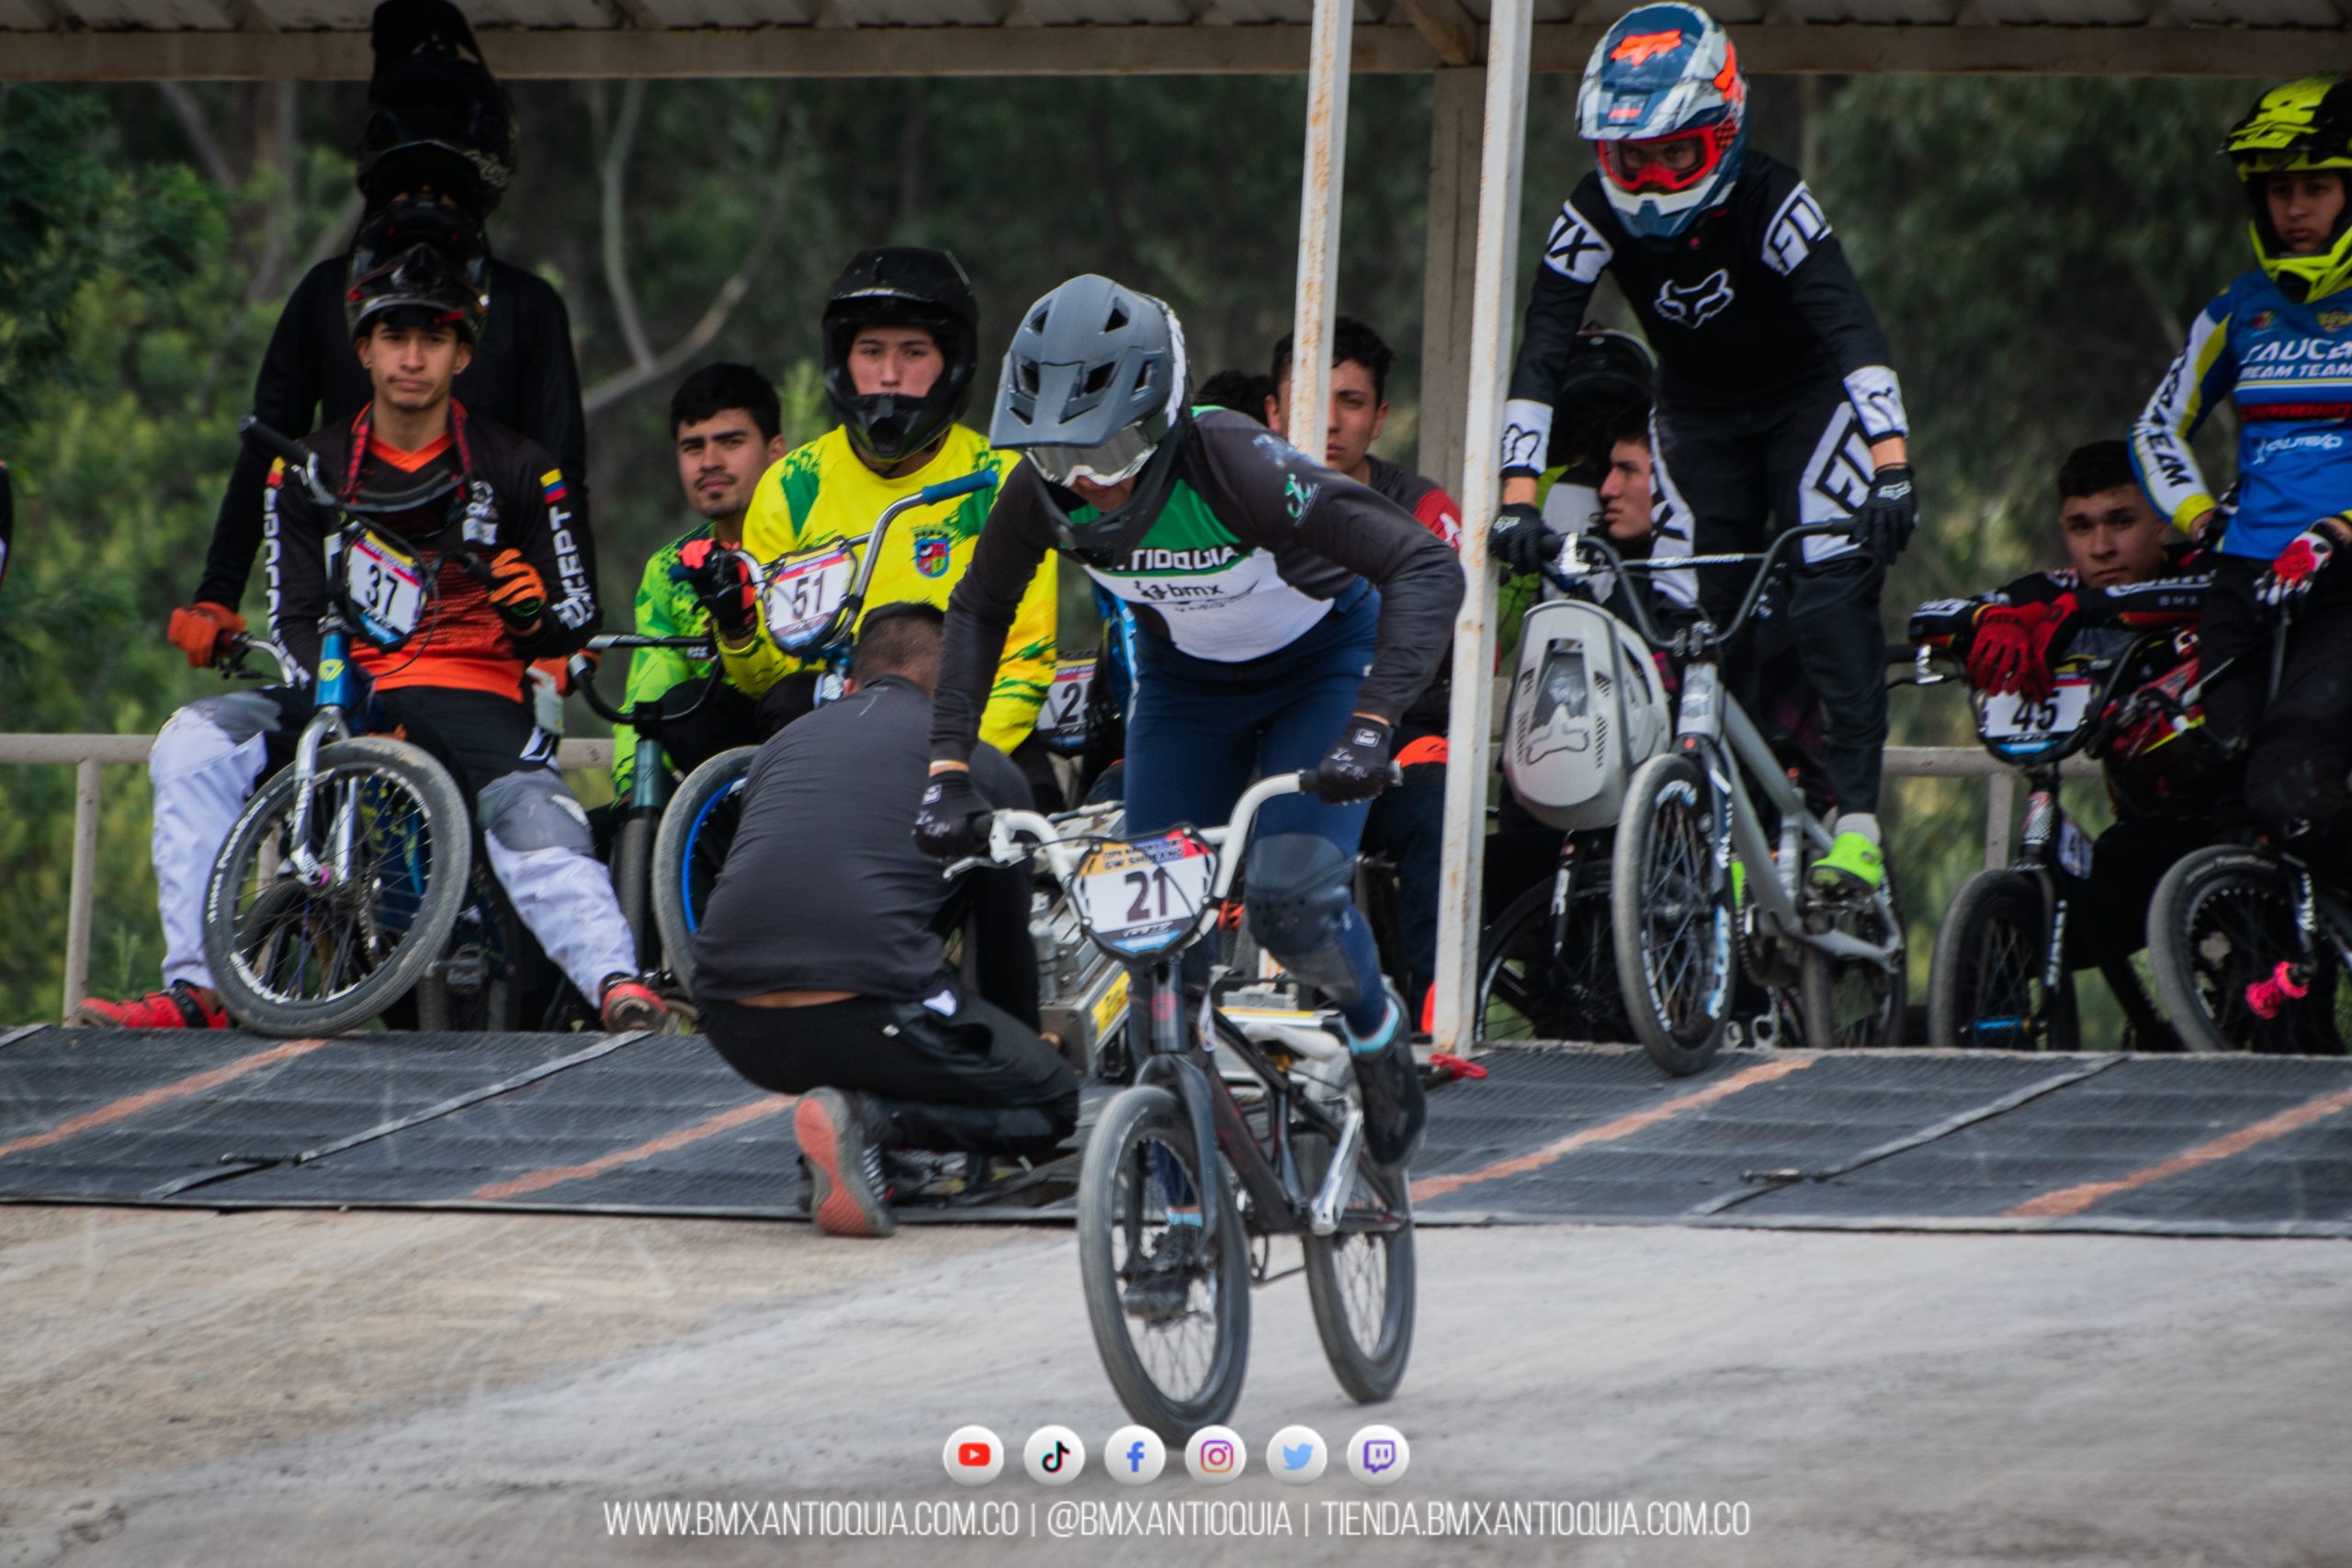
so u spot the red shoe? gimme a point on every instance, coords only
(847, 1194)
(178, 1006)
(630, 1004)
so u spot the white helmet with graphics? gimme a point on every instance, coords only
(1666, 108)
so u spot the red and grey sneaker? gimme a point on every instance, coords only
(177, 1005)
(630, 1004)
(847, 1195)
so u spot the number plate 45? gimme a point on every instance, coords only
(1145, 895)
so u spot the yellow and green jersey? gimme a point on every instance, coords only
(666, 606)
(824, 491)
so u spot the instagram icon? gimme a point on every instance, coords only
(1214, 1455)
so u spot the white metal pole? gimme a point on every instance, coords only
(1494, 309)
(81, 887)
(1320, 182)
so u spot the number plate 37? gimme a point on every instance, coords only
(1145, 895)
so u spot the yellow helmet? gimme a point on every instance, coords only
(2303, 126)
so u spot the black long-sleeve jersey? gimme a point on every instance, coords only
(512, 496)
(1757, 298)
(522, 377)
(1255, 543)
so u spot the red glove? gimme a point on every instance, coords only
(2003, 652)
(516, 591)
(2050, 638)
(721, 579)
(198, 630)
(2289, 577)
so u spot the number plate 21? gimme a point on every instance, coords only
(1145, 895)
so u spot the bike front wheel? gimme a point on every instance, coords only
(293, 956)
(697, 827)
(1171, 1315)
(1989, 988)
(1360, 1277)
(1671, 912)
(1533, 987)
(2223, 924)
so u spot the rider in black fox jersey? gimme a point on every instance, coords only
(1774, 393)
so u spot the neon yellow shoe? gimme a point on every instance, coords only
(1855, 864)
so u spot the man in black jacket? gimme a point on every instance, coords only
(439, 133)
(854, 1008)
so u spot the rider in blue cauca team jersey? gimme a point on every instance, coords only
(1774, 391)
(1286, 616)
(2278, 344)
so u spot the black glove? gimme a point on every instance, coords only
(944, 823)
(1356, 768)
(721, 579)
(1520, 540)
(1883, 522)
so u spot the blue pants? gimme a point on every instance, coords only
(1202, 730)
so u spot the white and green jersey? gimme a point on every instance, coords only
(1253, 546)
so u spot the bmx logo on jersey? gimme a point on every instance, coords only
(933, 551)
(1700, 303)
(1798, 227)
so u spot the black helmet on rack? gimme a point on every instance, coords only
(1609, 380)
(421, 258)
(901, 286)
(437, 119)
(1093, 388)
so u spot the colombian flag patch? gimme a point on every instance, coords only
(552, 483)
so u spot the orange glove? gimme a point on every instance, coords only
(198, 630)
(516, 591)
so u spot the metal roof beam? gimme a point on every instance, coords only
(711, 52)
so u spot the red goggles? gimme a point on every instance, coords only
(1667, 163)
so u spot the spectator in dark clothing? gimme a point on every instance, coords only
(1243, 391)
(438, 128)
(854, 1007)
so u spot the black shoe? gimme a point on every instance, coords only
(847, 1194)
(1395, 1107)
(1160, 1287)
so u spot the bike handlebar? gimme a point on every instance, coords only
(1569, 570)
(646, 717)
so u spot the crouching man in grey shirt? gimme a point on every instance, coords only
(819, 965)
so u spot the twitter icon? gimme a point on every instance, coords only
(1296, 1455)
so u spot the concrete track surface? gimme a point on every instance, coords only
(283, 1390)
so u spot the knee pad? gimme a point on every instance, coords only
(1301, 899)
(534, 810)
(209, 730)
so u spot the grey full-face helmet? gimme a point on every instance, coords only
(1093, 388)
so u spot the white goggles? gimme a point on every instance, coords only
(1120, 457)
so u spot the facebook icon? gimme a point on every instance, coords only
(1136, 1455)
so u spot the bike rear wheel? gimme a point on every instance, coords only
(1671, 912)
(1987, 989)
(1530, 987)
(1177, 1353)
(2222, 921)
(1360, 1279)
(289, 958)
(1850, 1003)
(697, 826)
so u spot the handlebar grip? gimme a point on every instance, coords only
(948, 489)
(253, 430)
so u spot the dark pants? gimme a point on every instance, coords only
(1728, 481)
(1407, 825)
(2109, 919)
(975, 1082)
(2299, 743)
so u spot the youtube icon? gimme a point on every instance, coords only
(973, 1456)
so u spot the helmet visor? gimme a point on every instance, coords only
(1664, 164)
(1120, 457)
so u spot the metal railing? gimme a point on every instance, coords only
(86, 754)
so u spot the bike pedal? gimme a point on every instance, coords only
(468, 970)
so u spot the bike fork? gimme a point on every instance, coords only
(328, 723)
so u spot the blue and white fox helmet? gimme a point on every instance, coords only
(1666, 108)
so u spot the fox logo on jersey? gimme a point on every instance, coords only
(1700, 303)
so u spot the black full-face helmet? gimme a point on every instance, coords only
(437, 119)
(901, 286)
(425, 260)
(1093, 388)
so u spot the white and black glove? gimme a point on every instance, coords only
(943, 822)
(1886, 520)
(1356, 767)
(1519, 539)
